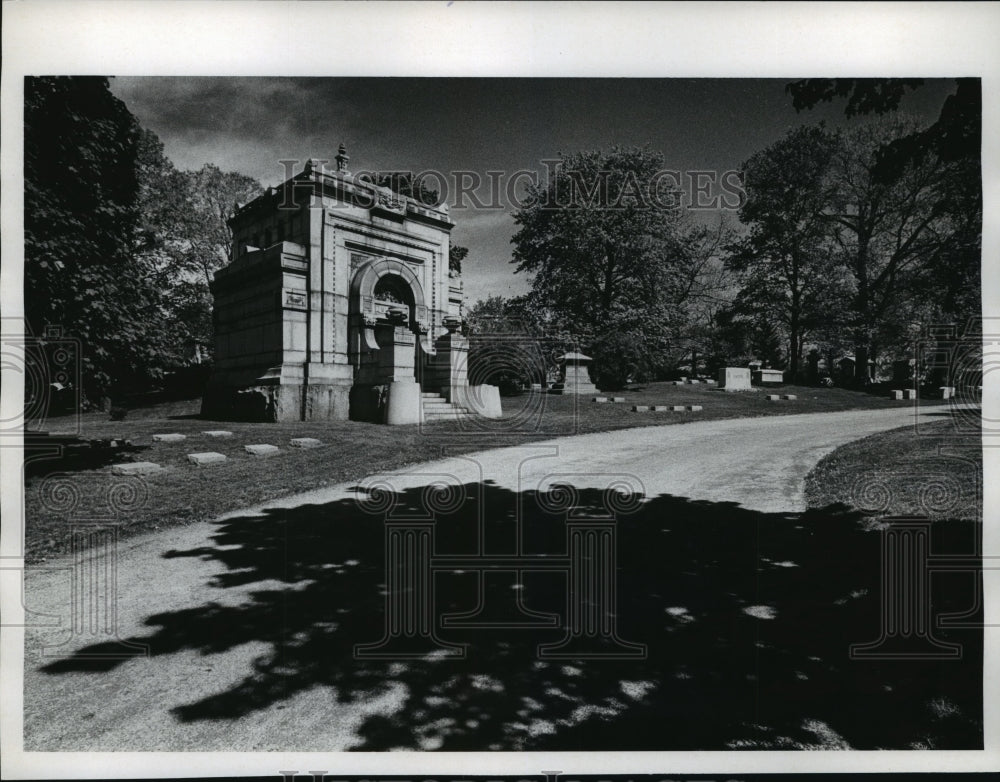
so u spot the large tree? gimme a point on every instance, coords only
(787, 270)
(604, 242)
(119, 244)
(895, 236)
(81, 218)
(213, 193)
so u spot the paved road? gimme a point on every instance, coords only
(759, 463)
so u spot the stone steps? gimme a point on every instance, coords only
(436, 408)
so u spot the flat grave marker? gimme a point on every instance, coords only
(207, 457)
(261, 449)
(169, 438)
(135, 468)
(305, 442)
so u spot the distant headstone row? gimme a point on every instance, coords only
(665, 408)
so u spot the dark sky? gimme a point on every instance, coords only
(479, 125)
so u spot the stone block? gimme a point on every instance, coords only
(169, 438)
(600, 399)
(773, 397)
(947, 392)
(693, 408)
(261, 450)
(618, 399)
(677, 408)
(640, 408)
(208, 457)
(734, 378)
(660, 408)
(693, 381)
(710, 382)
(305, 442)
(909, 393)
(217, 433)
(896, 394)
(677, 383)
(767, 377)
(789, 397)
(135, 468)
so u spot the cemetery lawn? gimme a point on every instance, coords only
(933, 473)
(182, 493)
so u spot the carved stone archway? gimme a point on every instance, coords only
(363, 303)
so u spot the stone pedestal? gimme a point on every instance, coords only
(403, 402)
(483, 400)
(575, 375)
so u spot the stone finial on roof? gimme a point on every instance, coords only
(342, 159)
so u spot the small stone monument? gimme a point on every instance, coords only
(734, 378)
(575, 375)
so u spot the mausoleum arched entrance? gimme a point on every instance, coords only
(388, 320)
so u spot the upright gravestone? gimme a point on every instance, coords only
(576, 375)
(734, 378)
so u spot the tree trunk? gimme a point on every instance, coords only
(862, 352)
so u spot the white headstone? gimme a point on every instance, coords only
(734, 378)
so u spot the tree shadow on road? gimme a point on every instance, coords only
(746, 617)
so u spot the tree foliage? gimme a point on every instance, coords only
(611, 259)
(81, 216)
(786, 271)
(894, 236)
(119, 244)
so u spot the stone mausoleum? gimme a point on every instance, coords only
(339, 304)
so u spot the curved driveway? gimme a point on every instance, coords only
(759, 463)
